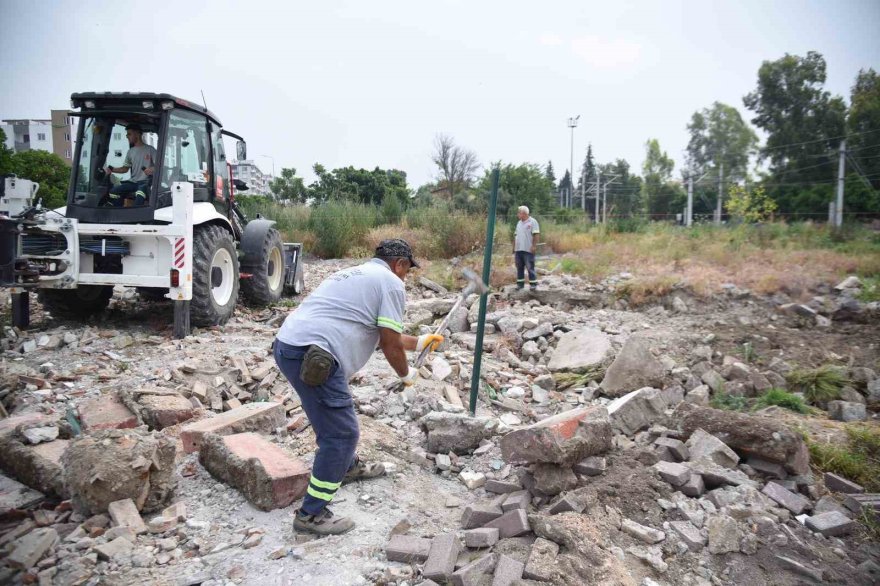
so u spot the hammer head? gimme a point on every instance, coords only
(475, 283)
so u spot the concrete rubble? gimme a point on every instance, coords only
(595, 456)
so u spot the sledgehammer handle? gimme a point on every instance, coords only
(423, 355)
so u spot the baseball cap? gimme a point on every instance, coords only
(396, 247)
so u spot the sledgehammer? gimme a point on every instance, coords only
(475, 285)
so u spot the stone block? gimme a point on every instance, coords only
(774, 469)
(477, 515)
(407, 549)
(677, 447)
(847, 411)
(637, 410)
(674, 474)
(442, 557)
(113, 549)
(724, 534)
(542, 560)
(472, 574)
(837, 483)
(702, 444)
(456, 432)
(481, 537)
(592, 466)
(259, 417)
(565, 438)
(831, 524)
(634, 367)
(124, 513)
(263, 472)
(502, 487)
(15, 495)
(579, 351)
(28, 550)
(863, 503)
(517, 500)
(511, 523)
(106, 412)
(646, 534)
(567, 503)
(794, 502)
(508, 571)
(689, 534)
(694, 487)
(161, 411)
(551, 479)
(38, 467)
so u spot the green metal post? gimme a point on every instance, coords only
(487, 267)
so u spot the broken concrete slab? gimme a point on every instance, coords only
(511, 523)
(472, 574)
(116, 464)
(542, 560)
(125, 514)
(163, 410)
(580, 351)
(508, 571)
(407, 549)
(752, 435)
(442, 557)
(114, 549)
(642, 533)
(456, 432)
(634, 367)
(29, 549)
(15, 495)
(724, 534)
(481, 537)
(262, 417)
(794, 502)
(714, 475)
(267, 476)
(837, 483)
(705, 445)
(637, 410)
(38, 467)
(565, 438)
(592, 466)
(831, 524)
(689, 534)
(106, 412)
(676, 447)
(674, 474)
(551, 479)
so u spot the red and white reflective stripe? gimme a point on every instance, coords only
(179, 248)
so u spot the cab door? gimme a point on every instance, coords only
(219, 171)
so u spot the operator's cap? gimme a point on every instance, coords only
(396, 247)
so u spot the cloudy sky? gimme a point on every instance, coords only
(372, 83)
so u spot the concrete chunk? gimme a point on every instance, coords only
(517, 500)
(579, 351)
(263, 472)
(472, 574)
(508, 571)
(674, 474)
(261, 417)
(795, 503)
(542, 560)
(407, 549)
(481, 537)
(634, 367)
(502, 487)
(702, 444)
(637, 410)
(847, 411)
(677, 447)
(38, 467)
(694, 487)
(647, 534)
(112, 549)
(161, 411)
(568, 503)
(124, 513)
(511, 523)
(724, 534)
(773, 469)
(840, 484)
(565, 438)
(15, 495)
(441, 557)
(831, 524)
(28, 550)
(689, 534)
(592, 466)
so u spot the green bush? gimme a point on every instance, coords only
(858, 460)
(783, 399)
(729, 402)
(338, 226)
(392, 209)
(818, 384)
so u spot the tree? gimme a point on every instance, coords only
(720, 135)
(359, 185)
(804, 124)
(624, 195)
(47, 169)
(6, 155)
(564, 183)
(289, 187)
(864, 125)
(457, 165)
(524, 184)
(549, 174)
(750, 206)
(588, 170)
(660, 195)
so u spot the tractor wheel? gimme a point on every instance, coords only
(215, 276)
(78, 303)
(266, 284)
(152, 293)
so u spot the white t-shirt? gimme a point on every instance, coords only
(525, 231)
(139, 158)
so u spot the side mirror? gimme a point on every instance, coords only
(241, 150)
(240, 185)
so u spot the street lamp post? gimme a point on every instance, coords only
(572, 123)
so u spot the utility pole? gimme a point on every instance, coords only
(584, 190)
(605, 203)
(720, 193)
(572, 123)
(689, 214)
(598, 182)
(838, 208)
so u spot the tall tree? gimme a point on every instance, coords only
(549, 174)
(624, 194)
(6, 154)
(564, 183)
(804, 124)
(864, 125)
(457, 165)
(524, 184)
(658, 192)
(47, 169)
(720, 135)
(289, 187)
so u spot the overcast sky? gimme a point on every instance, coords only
(371, 83)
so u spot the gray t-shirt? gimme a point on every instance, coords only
(344, 314)
(524, 234)
(140, 156)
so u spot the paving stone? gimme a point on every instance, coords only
(472, 480)
(124, 513)
(677, 447)
(517, 500)
(260, 417)
(542, 559)
(267, 476)
(28, 550)
(112, 549)
(773, 469)
(795, 503)
(441, 557)
(502, 487)
(860, 503)
(568, 503)
(565, 438)
(831, 524)
(592, 466)
(511, 523)
(840, 484)
(647, 534)
(478, 514)
(407, 549)
(689, 534)
(694, 487)
(702, 444)
(106, 412)
(508, 571)
(472, 574)
(674, 474)
(715, 475)
(827, 504)
(481, 537)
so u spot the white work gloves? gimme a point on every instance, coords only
(425, 340)
(410, 379)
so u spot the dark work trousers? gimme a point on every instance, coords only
(140, 189)
(330, 410)
(525, 260)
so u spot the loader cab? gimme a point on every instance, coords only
(187, 143)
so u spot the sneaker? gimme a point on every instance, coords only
(324, 523)
(363, 471)
(534, 287)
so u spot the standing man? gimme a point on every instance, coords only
(141, 161)
(322, 344)
(524, 248)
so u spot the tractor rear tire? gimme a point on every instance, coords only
(82, 302)
(215, 276)
(266, 283)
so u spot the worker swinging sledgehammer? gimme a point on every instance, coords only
(329, 337)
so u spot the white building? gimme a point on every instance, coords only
(56, 135)
(250, 173)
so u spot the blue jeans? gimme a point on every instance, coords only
(330, 410)
(525, 260)
(140, 189)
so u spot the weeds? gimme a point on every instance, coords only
(729, 402)
(870, 289)
(818, 384)
(781, 398)
(858, 460)
(748, 353)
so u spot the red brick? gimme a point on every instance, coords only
(264, 416)
(265, 474)
(106, 412)
(566, 438)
